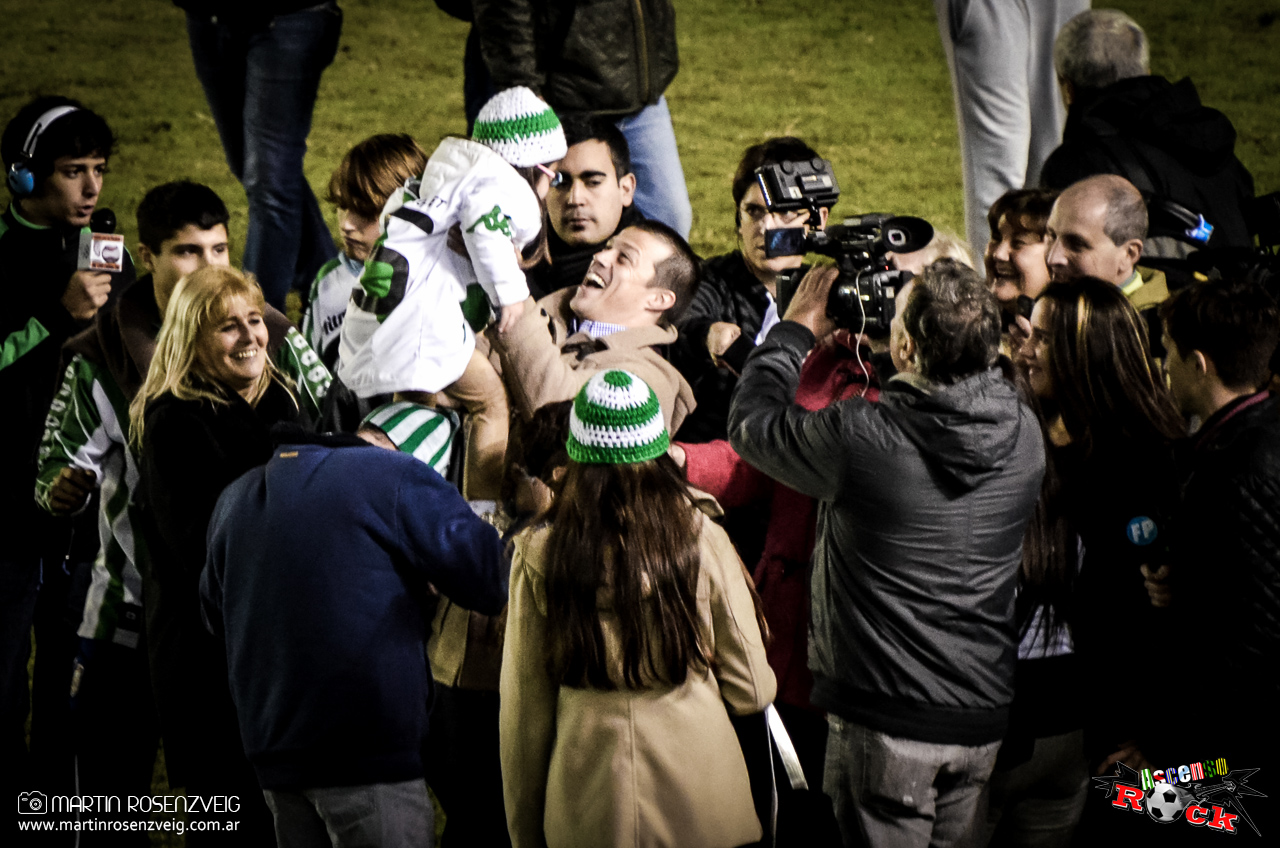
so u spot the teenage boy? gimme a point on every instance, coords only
(1219, 340)
(55, 154)
(182, 226)
(365, 178)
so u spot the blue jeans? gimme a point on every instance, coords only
(901, 793)
(261, 80)
(660, 190)
(368, 816)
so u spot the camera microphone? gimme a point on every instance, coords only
(100, 248)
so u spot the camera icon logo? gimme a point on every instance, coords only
(33, 803)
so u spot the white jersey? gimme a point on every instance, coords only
(405, 329)
(327, 306)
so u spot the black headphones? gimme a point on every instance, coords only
(22, 180)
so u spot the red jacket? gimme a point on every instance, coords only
(832, 372)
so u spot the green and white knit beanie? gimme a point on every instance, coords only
(616, 419)
(420, 431)
(521, 128)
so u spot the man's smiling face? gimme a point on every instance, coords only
(619, 286)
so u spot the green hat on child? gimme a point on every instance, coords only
(521, 128)
(422, 432)
(616, 419)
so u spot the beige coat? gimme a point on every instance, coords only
(543, 363)
(656, 767)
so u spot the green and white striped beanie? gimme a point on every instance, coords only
(420, 431)
(521, 128)
(616, 419)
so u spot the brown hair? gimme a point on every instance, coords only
(679, 273)
(1027, 209)
(1235, 325)
(372, 170)
(627, 533)
(1104, 381)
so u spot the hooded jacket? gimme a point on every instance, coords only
(924, 500)
(1158, 135)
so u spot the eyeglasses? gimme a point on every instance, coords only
(557, 178)
(755, 213)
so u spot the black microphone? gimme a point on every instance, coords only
(103, 221)
(100, 248)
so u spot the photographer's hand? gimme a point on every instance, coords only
(809, 304)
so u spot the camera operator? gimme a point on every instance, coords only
(735, 303)
(924, 499)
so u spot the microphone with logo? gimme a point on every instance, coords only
(101, 249)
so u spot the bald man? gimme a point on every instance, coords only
(1096, 229)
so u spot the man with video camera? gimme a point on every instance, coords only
(924, 499)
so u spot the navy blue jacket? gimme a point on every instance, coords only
(317, 576)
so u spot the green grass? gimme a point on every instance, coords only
(865, 82)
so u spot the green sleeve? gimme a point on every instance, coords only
(305, 374)
(76, 429)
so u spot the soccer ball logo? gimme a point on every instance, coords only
(1164, 803)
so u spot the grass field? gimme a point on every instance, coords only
(864, 81)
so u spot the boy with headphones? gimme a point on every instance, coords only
(55, 154)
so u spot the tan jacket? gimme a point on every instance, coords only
(542, 363)
(655, 767)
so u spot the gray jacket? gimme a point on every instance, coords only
(924, 500)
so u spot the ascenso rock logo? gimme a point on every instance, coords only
(1205, 794)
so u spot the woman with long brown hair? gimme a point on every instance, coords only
(632, 625)
(1111, 424)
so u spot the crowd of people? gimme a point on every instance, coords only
(543, 518)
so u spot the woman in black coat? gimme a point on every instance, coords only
(202, 418)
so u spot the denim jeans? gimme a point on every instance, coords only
(661, 193)
(261, 79)
(1037, 804)
(370, 816)
(899, 793)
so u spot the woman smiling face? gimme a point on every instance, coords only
(1033, 356)
(232, 350)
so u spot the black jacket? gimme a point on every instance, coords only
(36, 264)
(1160, 137)
(190, 451)
(727, 291)
(924, 500)
(611, 57)
(1227, 565)
(1108, 492)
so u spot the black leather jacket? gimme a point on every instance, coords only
(610, 57)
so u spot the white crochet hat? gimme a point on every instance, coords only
(616, 419)
(521, 128)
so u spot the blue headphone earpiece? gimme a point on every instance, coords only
(20, 179)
